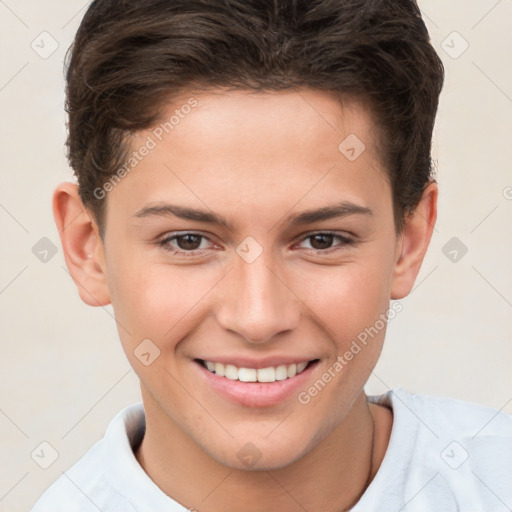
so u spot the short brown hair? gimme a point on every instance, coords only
(129, 57)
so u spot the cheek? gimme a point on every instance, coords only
(349, 298)
(157, 301)
(349, 302)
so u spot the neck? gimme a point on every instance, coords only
(331, 476)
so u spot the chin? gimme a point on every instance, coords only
(261, 454)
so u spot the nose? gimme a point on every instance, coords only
(257, 302)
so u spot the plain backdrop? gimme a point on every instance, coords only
(63, 375)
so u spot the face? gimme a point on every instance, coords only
(256, 237)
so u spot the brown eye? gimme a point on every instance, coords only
(322, 241)
(189, 242)
(186, 243)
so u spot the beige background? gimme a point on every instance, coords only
(63, 374)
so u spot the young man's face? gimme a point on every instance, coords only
(261, 291)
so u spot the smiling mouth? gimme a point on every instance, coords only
(269, 374)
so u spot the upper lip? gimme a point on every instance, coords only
(264, 362)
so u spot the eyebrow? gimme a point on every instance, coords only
(343, 209)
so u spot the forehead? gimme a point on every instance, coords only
(287, 123)
(248, 149)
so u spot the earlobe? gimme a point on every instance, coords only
(414, 243)
(81, 244)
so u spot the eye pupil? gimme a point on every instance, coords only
(189, 242)
(325, 241)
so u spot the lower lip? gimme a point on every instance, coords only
(256, 394)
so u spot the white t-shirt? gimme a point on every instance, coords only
(444, 455)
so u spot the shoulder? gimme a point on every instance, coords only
(82, 488)
(464, 417)
(88, 485)
(447, 416)
(447, 453)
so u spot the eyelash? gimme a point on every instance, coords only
(164, 243)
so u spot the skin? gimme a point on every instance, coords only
(255, 159)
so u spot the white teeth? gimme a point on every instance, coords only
(267, 374)
(219, 369)
(247, 374)
(230, 372)
(281, 372)
(270, 374)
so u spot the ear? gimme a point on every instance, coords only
(413, 243)
(81, 244)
